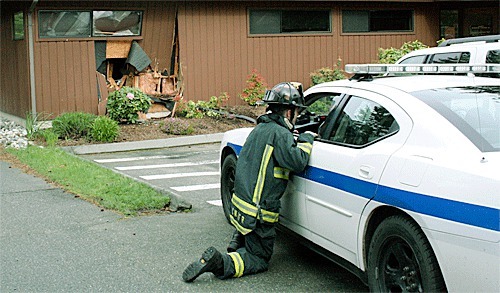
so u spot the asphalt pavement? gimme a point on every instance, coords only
(51, 241)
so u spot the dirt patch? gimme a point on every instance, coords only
(155, 128)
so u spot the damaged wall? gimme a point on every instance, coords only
(65, 69)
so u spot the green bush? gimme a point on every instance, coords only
(123, 105)
(104, 129)
(391, 55)
(73, 125)
(201, 108)
(326, 74)
(47, 135)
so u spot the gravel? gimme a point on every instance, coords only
(12, 134)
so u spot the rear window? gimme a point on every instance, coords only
(451, 57)
(475, 111)
(493, 56)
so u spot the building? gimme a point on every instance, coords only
(51, 50)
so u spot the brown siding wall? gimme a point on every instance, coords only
(14, 66)
(65, 70)
(217, 54)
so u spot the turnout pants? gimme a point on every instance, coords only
(254, 257)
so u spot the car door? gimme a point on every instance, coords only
(346, 165)
(293, 214)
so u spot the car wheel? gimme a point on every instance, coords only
(228, 172)
(400, 259)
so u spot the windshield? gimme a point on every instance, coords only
(475, 111)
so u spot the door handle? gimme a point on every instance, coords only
(366, 171)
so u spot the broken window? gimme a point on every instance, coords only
(86, 24)
(117, 23)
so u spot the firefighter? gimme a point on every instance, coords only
(263, 169)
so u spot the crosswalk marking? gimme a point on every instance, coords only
(131, 159)
(178, 175)
(174, 165)
(216, 202)
(196, 187)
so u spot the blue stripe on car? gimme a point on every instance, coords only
(466, 213)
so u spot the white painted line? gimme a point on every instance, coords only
(186, 164)
(196, 187)
(217, 202)
(131, 159)
(178, 175)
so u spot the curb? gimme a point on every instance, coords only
(145, 144)
(177, 202)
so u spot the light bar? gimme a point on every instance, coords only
(421, 68)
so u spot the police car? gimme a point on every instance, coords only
(403, 183)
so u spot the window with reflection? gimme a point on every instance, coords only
(361, 122)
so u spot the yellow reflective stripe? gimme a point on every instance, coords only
(266, 156)
(239, 265)
(268, 216)
(305, 146)
(251, 210)
(244, 207)
(238, 227)
(281, 173)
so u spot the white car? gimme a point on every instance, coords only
(469, 53)
(403, 184)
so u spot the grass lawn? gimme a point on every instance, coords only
(91, 182)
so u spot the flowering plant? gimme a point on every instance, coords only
(256, 87)
(124, 104)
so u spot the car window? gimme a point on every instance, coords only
(324, 104)
(414, 60)
(451, 57)
(361, 122)
(474, 111)
(493, 56)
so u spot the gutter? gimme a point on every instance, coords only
(31, 49)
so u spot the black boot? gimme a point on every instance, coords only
(210, 261)
(236, 242)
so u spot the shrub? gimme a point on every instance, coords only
(201, 108)
(256, 88)
(125, 103)
(391, 55)
(104, 129)
(176, 126)
(47, 135)
(73, 125)
(326, 74)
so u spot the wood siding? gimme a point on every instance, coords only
(217, 54)
(14, 65)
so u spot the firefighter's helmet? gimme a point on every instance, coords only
(288, 94)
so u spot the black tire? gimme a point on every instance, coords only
(228, 172)
(400, 259)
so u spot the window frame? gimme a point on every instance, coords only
(283, 34)
(379, 32)
(14, 26)
(91, 26)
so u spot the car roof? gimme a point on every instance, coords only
(408, 84)
(453, 48)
